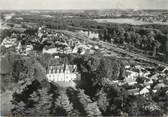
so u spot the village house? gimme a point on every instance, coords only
(131, 77)
(133, 91)
(55, 50)
(144, 91)
(90, 34)
(65, 73)
(49, 51)
(135, 72)
(24, 49)
(138, 91)
(9, 42)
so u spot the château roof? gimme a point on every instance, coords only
(62, 68)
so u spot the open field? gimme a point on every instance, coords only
(127, 21)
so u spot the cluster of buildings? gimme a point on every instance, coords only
(24, 49)
(159, 18)
(9, 42)
(19, 48)
(150, 81)
(13, 42)
(91, 35)
(63, 44)
(64, 50)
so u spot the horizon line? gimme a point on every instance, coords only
(84, 9)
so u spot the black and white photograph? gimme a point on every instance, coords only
(84, 58)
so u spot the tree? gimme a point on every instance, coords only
(44, 59)
(133, 37)
(31, 31)
(140, 80)
(127, 37)
(19, 108)
(87, 65)
(28, 88)
(147, 106)
(90, 107)
(63, 104)
(121, 35)
(102, 101)
(5, 33)
(167, 48)
(20, 101)
(3, 49)
(39, 71)
(110, 68)
(161, 98)
(117, 97)
(42, 102)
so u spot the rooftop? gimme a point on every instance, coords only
(62, 68)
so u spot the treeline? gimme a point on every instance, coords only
(141, 38)
(54, 23)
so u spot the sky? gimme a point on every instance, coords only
(83, 4)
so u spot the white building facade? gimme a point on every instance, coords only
(65, 73)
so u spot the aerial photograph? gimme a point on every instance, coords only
(84, 58)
